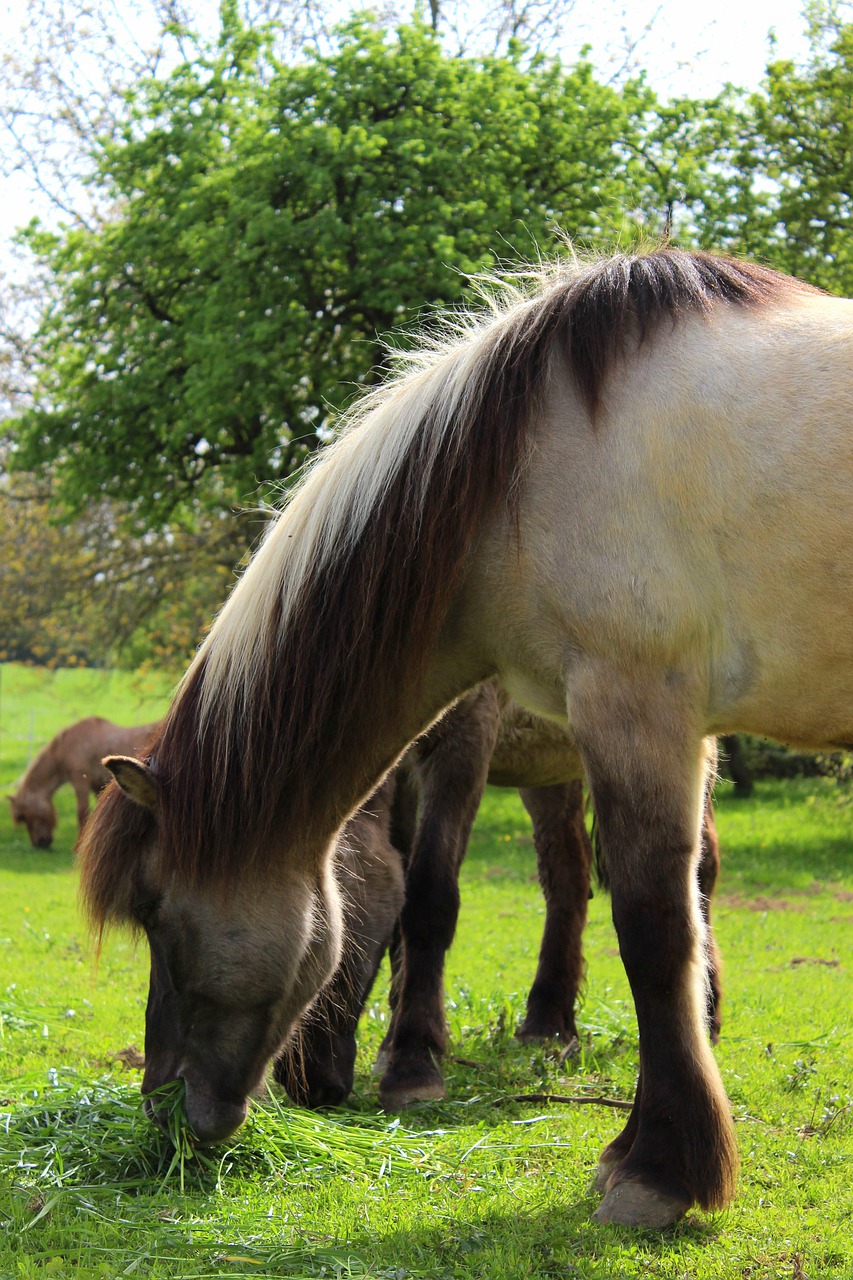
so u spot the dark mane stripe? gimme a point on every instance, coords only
(333, 623)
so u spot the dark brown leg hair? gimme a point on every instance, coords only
(564, 855)
(451, 765)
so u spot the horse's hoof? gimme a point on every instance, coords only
(545, 1030)
(400, 1097)
(603, 1175)
(631, 1204)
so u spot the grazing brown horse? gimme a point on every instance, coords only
(436, 791)
(73, 756)
(627, 491)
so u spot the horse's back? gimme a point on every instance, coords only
(700, 526)
(83, 745)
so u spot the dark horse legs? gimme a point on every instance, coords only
(416, 1041)
(439, 788)
(435, 794)
(563, 857)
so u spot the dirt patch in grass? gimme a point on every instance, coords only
(761, 903)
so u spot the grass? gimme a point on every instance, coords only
(479, 1186)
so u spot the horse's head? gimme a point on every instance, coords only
(37, 814)
(233, 963)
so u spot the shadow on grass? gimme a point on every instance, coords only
(473, 1242)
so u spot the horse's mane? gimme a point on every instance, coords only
(342, 604)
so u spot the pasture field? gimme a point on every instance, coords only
(482, 1186)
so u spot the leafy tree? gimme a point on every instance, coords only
(271, 224)
(799, 151)
(687, 172)
(96, 588)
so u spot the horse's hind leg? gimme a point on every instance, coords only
(646, 765)
(563, 854)
(80, 783)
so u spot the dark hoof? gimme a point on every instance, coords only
(633, 1204)
(401, 1089)
(535, 1030)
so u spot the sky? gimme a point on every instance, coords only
(690, 48)
(695, 48)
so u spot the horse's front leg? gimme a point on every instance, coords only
(452, 767)
(646, 764)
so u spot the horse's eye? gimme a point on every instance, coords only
(146, 911)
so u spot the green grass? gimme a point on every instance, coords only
(479, 1186)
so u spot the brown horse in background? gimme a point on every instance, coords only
(625, 490)
(73, 756)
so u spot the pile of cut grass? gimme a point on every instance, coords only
(93, 1133)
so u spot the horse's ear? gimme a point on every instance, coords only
(135, 779)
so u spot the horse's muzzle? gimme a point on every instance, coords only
(211, 1119)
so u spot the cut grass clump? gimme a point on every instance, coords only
(82, 1134)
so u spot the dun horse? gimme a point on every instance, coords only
(73, 756)
(626, 491)
(436, 791)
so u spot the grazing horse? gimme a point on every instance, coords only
(436, 790)
(625, 490)
(73, 756)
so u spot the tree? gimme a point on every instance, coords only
(271, 224)
(98, 588)
(798, 149)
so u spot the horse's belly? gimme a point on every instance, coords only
(532, 751)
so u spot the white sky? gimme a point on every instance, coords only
(694, 48)
(691, 48)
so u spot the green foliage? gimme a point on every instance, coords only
(88, 589)
(802, 144)
(271, 224)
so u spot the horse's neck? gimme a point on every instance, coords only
(45, 773)
(362, 764)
